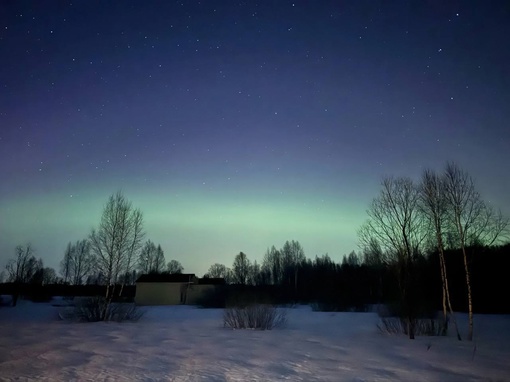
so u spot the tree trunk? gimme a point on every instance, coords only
(409, 297)
(470, 299)
(108, 301)
(446, 294)
(468, 281)
(445, 313)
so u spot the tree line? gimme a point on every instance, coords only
(111, 255)
(414, 232)
(443, 211)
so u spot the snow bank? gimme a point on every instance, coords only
(182, 343)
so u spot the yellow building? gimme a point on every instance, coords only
(174, 289)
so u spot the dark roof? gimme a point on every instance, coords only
(166, 278)
(212, 281)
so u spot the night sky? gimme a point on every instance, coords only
(235, 126)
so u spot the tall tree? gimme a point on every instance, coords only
(434, 206)
(273, 264)
(65, 264)
(397, 226)
(116, 241)
(351, 260)
(77, 262)
(159, 263)
(241, 269)
(82, 262)
(293, 255)
(471, 220)
(151, 258)
(255, 277)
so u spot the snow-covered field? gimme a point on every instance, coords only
(182, 343)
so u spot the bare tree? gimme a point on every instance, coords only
(254, 277)
(372, 253)
(116, 241)
(374, 258)
(49, 276)
(219, 271)
(65, 264)
(77, 262)
(82, 262)
(159, 262)
(151, 258)
(434, 205)
(292, 255)
(351, 260)
(273, 265)
(44, 275)
(174, 266)
(22, 268)
(397, 226)
(471, 220)
(241, 269)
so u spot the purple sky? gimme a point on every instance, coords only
(235, 126)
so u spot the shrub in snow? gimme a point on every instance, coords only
(257, 316)
(422, 326)
(394, 322)
(93, 309)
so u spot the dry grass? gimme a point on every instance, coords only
(258, 316)
(94, 309)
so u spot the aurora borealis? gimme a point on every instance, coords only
(235, 126)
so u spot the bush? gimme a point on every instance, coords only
(422, 326)
(393, 321)
(259, 316)
(94, 309)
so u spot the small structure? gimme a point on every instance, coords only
(174, 289)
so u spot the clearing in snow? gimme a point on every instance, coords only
(182, 343)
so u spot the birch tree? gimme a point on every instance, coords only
(116, 241)
(471, 220)
(434, 205)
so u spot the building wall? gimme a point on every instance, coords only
(170, 293)
(158, 293)
(197, 292)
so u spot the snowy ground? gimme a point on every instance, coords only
(188, 344)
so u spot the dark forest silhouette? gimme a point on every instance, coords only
(426, 247)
